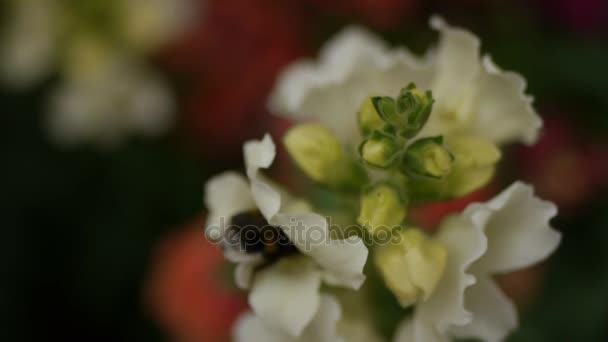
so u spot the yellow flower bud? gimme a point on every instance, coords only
(437, 161)
(428, 157)
(413, 267)
(379, 150)
(381, 207)
(369, 119)
(475, 162)
(317, 152)
(315, 149)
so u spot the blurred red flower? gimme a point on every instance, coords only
(230, 60)
(564, 167)
(184, 291)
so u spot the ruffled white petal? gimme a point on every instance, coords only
(243, 272)
(473, 95)
(323, 326)
(352, 66)
(259, 154)
(504, 112)
(509, 232)
(342, 261)
(226, 194)
(518, 230)
(251, 328)
(408, 331)
(267, 198)
(286, 295)
(465, 242)
(494, 315)
(338, 58)
(457, 62)
(405, 331)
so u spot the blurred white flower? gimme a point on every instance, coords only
(112, 100)
(106, 92)
(35, 35)
(473, 96)
(277, 239)
(28, 45)
(507, 233)
(148, 24)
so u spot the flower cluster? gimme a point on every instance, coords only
(383, 130)
(106, 90)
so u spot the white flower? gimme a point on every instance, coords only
(284, 279)
(473, 96)
(111, 100)
(322, 328)
(507, 233)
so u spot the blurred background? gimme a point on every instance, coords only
(115, 112)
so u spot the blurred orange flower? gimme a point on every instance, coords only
(184, 291)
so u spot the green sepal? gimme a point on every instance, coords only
(387, 109)
(416, 107)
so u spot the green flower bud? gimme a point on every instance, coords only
(379, 150)
(428, 157)
(386, 107)
(416, 106)
(407, 114)
(369, 118)
(412, 268)
(381, 207)
(319, 154)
